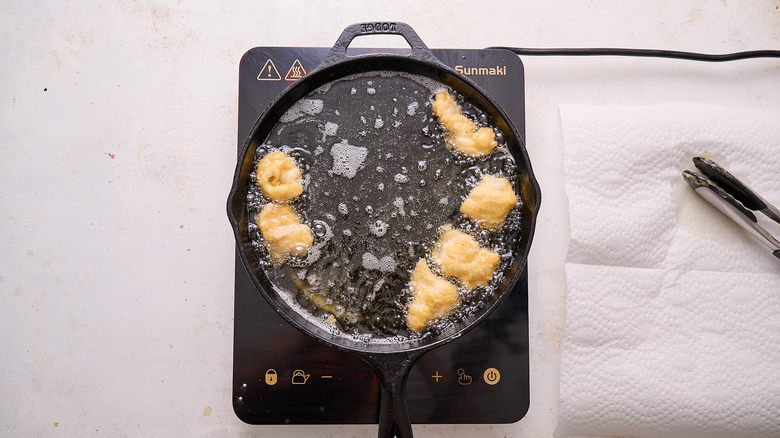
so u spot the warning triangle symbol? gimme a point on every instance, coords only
(269, 72)
(296, 71)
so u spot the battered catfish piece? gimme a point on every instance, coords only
(460, 256)
(283, 232)
(462, 133)
(433, 297)
(489, 202)
(279, 177)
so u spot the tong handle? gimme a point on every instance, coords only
(736, 188)
(727, 205)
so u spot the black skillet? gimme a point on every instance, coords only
(391, 361)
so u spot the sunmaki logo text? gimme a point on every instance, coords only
(499, 70)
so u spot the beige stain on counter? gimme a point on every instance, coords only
(207, 411)
(71, 321)
(555, 334)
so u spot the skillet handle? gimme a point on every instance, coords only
(420, 51)
(392, 371)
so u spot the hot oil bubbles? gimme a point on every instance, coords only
(375, 195)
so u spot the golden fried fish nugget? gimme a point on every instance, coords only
(279, 176)
(459, 255)
(283, 232)
(489, 202)
(433, 297)
(462, 133)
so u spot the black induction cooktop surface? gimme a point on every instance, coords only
(281, 376)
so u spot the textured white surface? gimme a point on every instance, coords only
(116, 268)
(673, 311)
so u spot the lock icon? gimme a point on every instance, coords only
(270, 377)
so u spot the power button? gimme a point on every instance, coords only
(491, 376)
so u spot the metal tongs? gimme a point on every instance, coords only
(734, 199)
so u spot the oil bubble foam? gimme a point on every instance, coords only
(302, 107)
(384, 264)
(398, 203)
(347, 159)
(378, 228)
(400, 178)
(329, 130)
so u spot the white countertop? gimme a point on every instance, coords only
(118, 132)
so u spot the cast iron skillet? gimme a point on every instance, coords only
(391, 361)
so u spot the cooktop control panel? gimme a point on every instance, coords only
(281, 376)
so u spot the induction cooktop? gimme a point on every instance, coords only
(281, 376)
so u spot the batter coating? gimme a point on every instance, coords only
(433, 297)
(489, 202)
(460, 256)
(283, 232)
(462, 133)
(279, 177)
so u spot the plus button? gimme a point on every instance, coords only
(437, 376)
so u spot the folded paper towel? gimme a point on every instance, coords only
(672, 311)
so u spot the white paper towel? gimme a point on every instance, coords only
(672, 311)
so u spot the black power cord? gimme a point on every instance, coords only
(647, 53)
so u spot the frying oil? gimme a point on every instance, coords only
(375, 202)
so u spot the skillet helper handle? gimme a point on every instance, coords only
(392, 371)
(419, 52)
